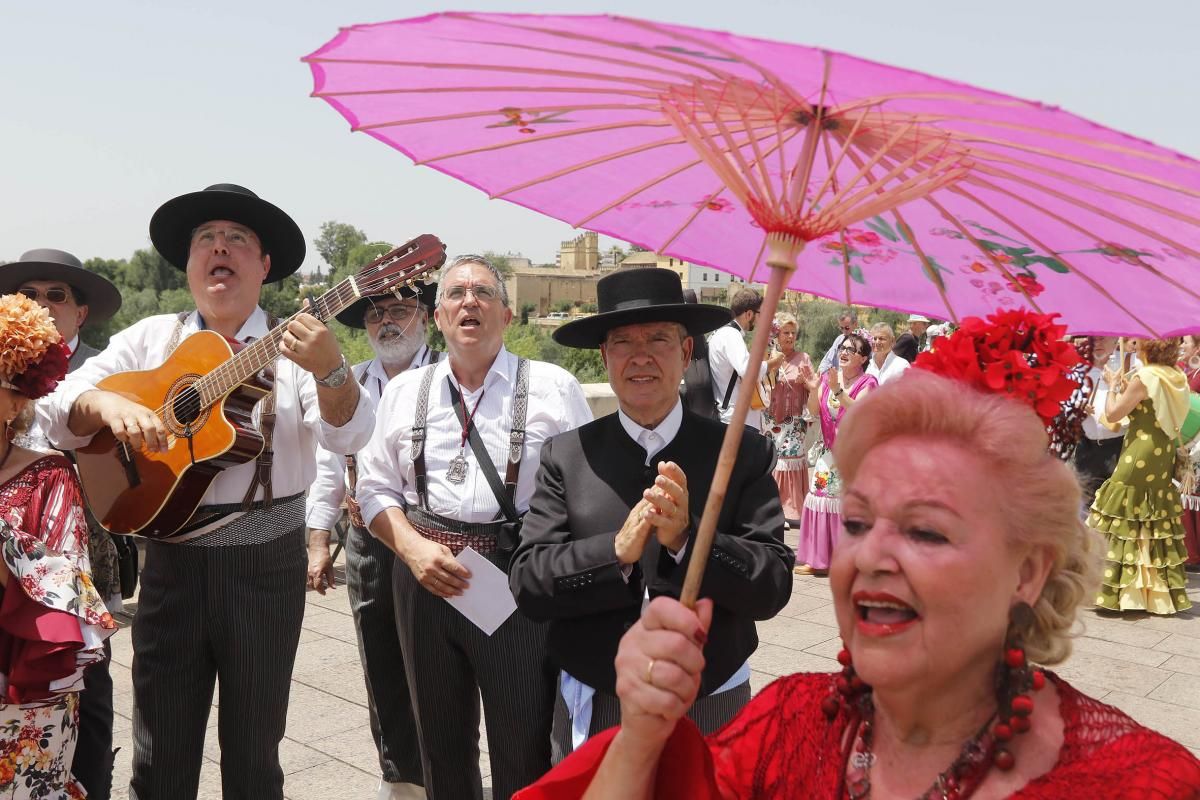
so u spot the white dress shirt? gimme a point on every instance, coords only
(385, 470)
(299, 428)
(830, 359)
(1092, 428)
(727, 354)
(893, 367)
(323, 506)
(653, 439)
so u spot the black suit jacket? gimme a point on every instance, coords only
(83, 352)
(565, 568)
(907, 346)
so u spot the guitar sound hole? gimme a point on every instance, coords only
(187, 406)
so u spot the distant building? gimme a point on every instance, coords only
(611, 258)
(581, 254)
(710, 284)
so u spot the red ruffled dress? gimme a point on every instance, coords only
(781, 747)
(52, 625)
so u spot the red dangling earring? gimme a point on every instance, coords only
(1016, 678)
(847, 685)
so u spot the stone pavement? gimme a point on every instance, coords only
(1147, 666)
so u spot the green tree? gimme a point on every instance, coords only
(336, 241)
(500, 262)
(146, 269)
(108, 268)
(358, 257)
(282, 298)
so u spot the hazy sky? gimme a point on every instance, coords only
(112, 108)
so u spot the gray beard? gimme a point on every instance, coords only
(398, 350)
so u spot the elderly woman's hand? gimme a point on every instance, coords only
(809, 377)
(658, 668)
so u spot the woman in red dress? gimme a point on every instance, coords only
(962, 563)
(52, 621)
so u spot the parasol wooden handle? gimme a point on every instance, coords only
(702, 542)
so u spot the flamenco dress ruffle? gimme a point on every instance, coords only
(1138, 512)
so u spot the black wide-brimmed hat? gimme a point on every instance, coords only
(172, 225)
(352, 315)
(103, 299)
(634, 296)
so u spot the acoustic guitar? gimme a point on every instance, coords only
(204, 393)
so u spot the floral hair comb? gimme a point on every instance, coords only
(1018, 353)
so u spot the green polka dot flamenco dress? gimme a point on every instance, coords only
(1139, 512)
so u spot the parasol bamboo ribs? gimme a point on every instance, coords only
(781, 257)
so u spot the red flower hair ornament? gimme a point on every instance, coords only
(40, 378)
(33, 357)
(1018, 353)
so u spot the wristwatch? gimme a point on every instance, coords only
(336, 378)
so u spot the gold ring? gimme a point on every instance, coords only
(650, 672)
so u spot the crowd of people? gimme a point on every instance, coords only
(951, 596)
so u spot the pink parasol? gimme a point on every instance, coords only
(917, 193)
(886, 187)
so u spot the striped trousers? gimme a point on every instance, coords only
(450, 665)
(206, 614)
(710, 714)
(393, 727)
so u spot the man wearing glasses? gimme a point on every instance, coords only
(75, 296)
(223, 602)
(846, 324)
(426, 492)
(396, 327)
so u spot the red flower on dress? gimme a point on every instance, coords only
(40, 377)
(1015, 352)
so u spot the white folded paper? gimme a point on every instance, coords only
(487, 602)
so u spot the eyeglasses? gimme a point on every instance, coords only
(397, 313)
(846, 348)
(483, 292)
(52, 295)
(234, 237)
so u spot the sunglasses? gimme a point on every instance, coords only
(849, 349)
(53, 295)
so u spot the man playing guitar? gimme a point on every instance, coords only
(224, 601)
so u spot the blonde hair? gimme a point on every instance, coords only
(1041, 493)
(784, 318)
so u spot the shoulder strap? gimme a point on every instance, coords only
(176, 332)
(351, 459)
(505, 493)
(729, 390)
(266, 426)
(733, 376)
(418, 437)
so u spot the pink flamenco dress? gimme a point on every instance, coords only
(52, 625)
(783, 422)
(821, 520)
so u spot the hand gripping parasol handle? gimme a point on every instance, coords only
(701, 545)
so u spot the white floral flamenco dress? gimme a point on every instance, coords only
(52, 625)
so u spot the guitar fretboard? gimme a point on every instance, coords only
(251, 359)
(389, 270)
